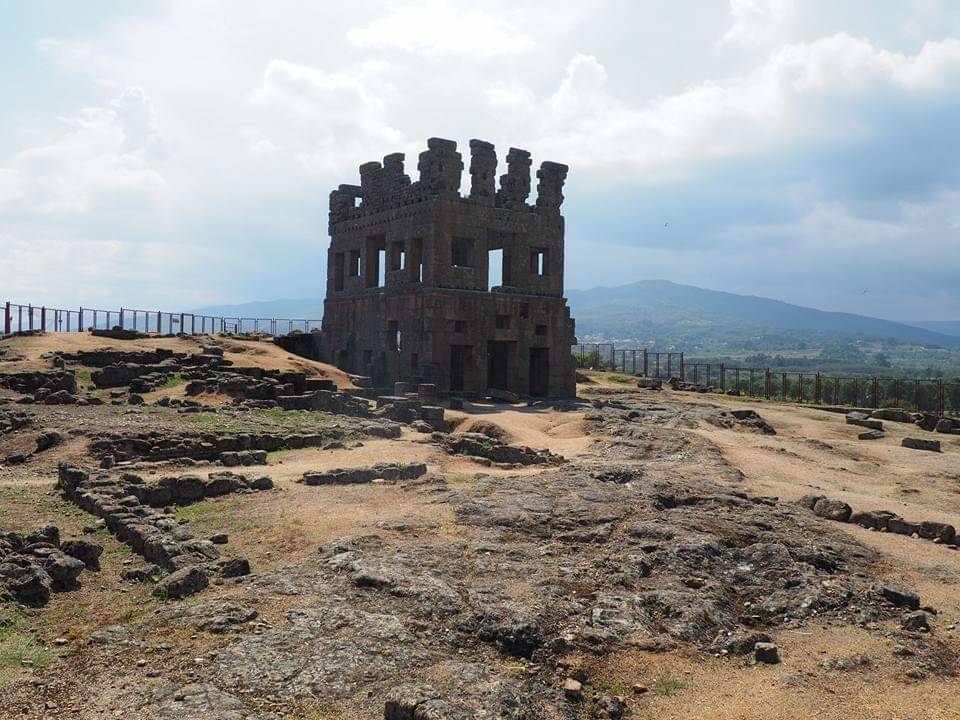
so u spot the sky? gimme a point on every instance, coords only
(170, 154)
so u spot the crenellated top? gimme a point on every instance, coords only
(385, 185)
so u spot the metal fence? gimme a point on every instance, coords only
(933, 395)
(18, 318)
(636, 361)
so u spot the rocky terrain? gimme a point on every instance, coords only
(216, 529)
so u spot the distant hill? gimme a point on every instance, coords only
(682, 315)
(302, 309)
(946, 327)
(669, 314)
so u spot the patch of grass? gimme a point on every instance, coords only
(18, 649)
(620, 378)
(173, 379)
(227, 514)
(668, 686)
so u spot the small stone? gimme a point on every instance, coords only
(917, 620)
(60, 641)
(767, 653)
(572, 689)
(640, 689)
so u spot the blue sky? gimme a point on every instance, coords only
(179, 154)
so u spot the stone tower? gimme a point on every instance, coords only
(410, 292)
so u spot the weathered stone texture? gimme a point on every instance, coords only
(409, 294)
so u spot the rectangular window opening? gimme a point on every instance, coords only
(354, 269)
(538, 261)
(503, 322)
(338, 261)
(416, 259)
(414, 364)
(393, 334)
(461, 254)
(398, 256)
(375, 266)
(495, 268)
(459, 326)
(541, 330)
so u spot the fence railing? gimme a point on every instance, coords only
(639, 361)
(933, 395)
(18, 318)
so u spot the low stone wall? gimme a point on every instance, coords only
(30, 382)
(128, 507)
(155, 446)
(390, 472)
(881, 520)
(481, 446)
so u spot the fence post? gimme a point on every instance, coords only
(916, 395)
(6, 319)
(723, 378)
(646, 363)
(121, 318)
(876, 392)
(193, 324)
(817, 394)
(683, 370)
(767, 383)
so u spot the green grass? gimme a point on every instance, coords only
(668, 686)
(17, 648)
(172, 380)
(226, 514)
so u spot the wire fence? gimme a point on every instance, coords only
(928, 395)
(22, 318)
(606, 356)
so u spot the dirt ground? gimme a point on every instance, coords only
(812, 451)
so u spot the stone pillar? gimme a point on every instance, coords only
(515, 184)
(440, 167)
(483, 172)
(551, 177)
(395, 181)
(427, 393)
(371, 184)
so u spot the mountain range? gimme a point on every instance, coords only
(664, 314)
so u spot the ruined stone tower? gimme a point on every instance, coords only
(409, 292)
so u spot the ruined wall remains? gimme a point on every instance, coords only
(410, 293)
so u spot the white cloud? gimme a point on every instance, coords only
(758, 23)
(436, 27)
(106, 150)
(325, 121)
(786, 99)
